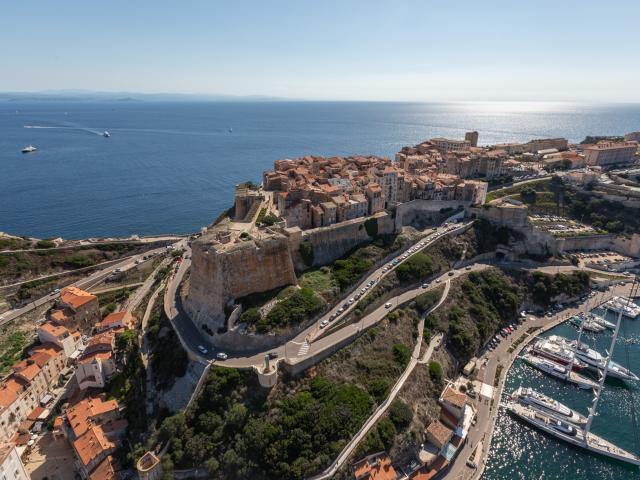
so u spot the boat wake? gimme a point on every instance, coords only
(56, 127)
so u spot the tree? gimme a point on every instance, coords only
(400, 414)
(436, 373)
(415, 268)
(401, 354)
(306, 252)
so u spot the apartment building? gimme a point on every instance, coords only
(96, 365)
(76, 310)
(27, 386)
(11, 467)
(610, 153)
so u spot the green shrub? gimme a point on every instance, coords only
(436, 373)
(251, 316)
(400, 414)
(401, 354)
(45, 244)
(426, 300)
(294, 309)
(415, 268)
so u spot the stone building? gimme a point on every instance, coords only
(76, 310)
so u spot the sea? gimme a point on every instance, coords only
(171, 167)
(519, 451)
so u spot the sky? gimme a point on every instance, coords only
(395, 50)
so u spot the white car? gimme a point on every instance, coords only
(351, 300)
(324, 323)
(388, 305)
(425, 285)
(221, 356)
(203, 350)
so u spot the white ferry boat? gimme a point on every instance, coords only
(559, 371)
(29, 149)
(539, 401)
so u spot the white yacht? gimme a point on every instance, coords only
(623, 305)
(539, 401)
(29, 149)
(588, 324)
(601, 321)
(558, 353)
(559, 371)
(581, 436)
(106, 134)
(593, 358)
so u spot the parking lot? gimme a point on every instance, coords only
(604, 258)
(561, 226)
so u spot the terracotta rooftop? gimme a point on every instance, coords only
(123, 317)
(10, 390)
(106, 470)
(374, 467)
(54, 329)
(58, 316)
(92, 445)
(75, 297)
(439, 431)
(81, 414)
(454, 397)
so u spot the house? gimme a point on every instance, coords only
(53, 332)
(90, 450)
(28, 384)
(11, 467)
(96, 365)
(374, 467)
(116, 321)
(453, 401)
(438, 434)
(88, 412)
(76, 309)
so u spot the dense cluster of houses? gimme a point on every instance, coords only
(65, 372)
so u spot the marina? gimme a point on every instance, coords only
(530, 441)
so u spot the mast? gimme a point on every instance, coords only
(594, 405)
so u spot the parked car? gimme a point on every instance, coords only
(425, 285)
(203, 350)
(324, 323)
(222, 356)
(387, 305)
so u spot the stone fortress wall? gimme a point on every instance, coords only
(220, 275)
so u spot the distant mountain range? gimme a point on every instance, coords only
(88, 95)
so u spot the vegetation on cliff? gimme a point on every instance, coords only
(295, 306)
(546, 288)
(476, 306)
(236, 430)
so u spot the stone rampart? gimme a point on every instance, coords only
(222, 273)
(419, 213)
(332, 242)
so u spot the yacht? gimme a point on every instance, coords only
(594, 359)
(558, 353)
(29, 149)
(581, 436)
(587, 324)
(106, 134)
(548, 405)
(559, 371)
(623, 305)
(601, 321)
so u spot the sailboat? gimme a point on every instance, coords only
(578, 436)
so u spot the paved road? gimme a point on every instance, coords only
(84, 283)
(489, 361)
(308, 342)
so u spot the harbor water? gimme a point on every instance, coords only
(519, 451)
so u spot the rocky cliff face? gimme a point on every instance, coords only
(221, 273)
